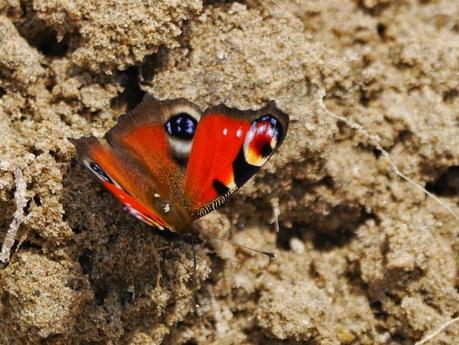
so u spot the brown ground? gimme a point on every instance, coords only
(363, 256)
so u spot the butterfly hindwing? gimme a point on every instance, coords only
(145, 153)
(120, 177)
(228, 148)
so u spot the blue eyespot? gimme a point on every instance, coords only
(270, 125)
(181, 126)
(271, 119)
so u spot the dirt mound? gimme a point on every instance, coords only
(363, 256)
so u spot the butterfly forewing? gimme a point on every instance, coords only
(228, 148)
(143, 134)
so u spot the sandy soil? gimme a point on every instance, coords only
(364, 257)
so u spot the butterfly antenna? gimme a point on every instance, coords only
(270, 255)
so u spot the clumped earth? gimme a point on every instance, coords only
(363, 256)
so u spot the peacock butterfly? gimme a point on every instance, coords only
(169, 163)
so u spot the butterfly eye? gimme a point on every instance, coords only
(181, 126)
(262, 139)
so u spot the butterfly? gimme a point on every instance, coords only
(169, 163)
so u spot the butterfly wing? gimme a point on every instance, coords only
(158, 134)
(228, 148)
(142, 161)
(119, 177)
(168, 164)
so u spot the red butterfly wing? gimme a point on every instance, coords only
(228, 148)
(144, 161)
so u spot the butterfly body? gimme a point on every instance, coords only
(169, 163)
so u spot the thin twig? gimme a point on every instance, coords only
(18, 216)
(375, 141)
(437, 332)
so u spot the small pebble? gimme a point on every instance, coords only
(297, 246)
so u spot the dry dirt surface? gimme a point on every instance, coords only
(363, 256)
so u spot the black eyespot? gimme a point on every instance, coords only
(99, 172)
(181, 126)
(266, 150)
(264, 133)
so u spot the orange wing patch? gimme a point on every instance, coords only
(150, 147)
(210, 172)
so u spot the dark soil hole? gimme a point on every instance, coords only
(328, 241)
(44, 38)
(85, 262)
(284, 236)
(334, 230)
(398, 338)
(28, 246)
(404, 136)
(376, 152)
(101, 293)
(7, 208)
(47, 43)
(447, 184)
(37, 200)
(28, 206)
(381, 29)
(191, 342)
(132, 94)
(152, 64)
(378, 310)
(450, 95)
